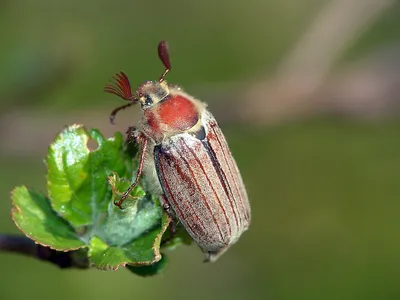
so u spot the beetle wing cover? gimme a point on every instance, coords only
(202, 183)
(228, 170)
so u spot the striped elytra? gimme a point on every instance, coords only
(187, 161)
(202, 184)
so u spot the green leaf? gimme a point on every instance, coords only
(180, 237)
(151, 270)
(34, 216)
(145, 250)
(77, 176)
(120, 185)
(83, 185)
(139, 214)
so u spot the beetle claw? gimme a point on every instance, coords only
(119, 203)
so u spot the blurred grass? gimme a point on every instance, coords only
(383, 32)
(210, 42)
(58, 55)
(324, 196)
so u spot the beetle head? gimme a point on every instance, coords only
(148, 93)
(152, 92)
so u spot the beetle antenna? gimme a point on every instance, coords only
(163, 54)
(121, 87)
(114, 112)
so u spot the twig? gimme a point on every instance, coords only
(23, 245)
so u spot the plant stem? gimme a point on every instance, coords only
(23, 245)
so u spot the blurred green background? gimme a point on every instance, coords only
(323, 184)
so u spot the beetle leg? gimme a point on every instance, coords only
(166, 206)
(169, 212)
(172, 229)
(138, 175)
(131, 135)
(132, 140)
(172, 226)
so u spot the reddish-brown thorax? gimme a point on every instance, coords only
(173, 114)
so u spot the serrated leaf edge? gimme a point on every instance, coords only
(16, 209)
(155, 247)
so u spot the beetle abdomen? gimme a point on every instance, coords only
(207, 195)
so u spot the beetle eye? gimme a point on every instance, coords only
(148, 100)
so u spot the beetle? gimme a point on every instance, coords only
(186, 159)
